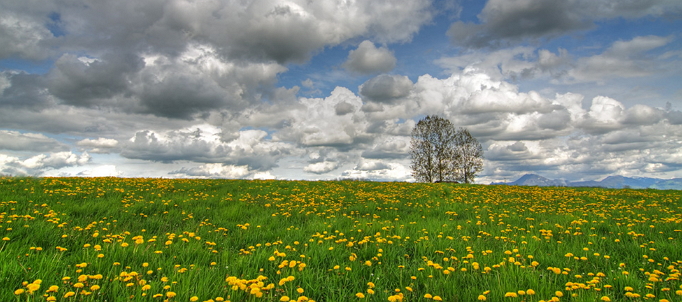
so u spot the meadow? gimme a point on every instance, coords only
(123, 239)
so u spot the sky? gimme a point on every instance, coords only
(263, 89)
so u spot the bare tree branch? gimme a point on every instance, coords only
(440, 152)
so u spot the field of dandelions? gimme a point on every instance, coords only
(122, 239)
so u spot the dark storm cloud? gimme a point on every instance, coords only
(511, 21)
(181, 59)
(24, 91)
(181, 95)
(513, 152)
(503, 22)
(386, 88)
(80, 83)
(344, 108)
(260, 30)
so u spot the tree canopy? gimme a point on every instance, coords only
(442, 153)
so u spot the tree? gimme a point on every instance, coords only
(469, 155)
(440, 152)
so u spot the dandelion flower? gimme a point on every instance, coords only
(32, 287)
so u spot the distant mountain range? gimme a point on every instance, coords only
(614, 182)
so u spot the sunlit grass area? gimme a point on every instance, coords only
(121, 239)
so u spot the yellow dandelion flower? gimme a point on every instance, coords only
(32, 287)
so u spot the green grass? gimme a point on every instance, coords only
(235, 239)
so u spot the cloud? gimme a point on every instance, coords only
(217, 170)
(81, 81)
(390, 147)
(510, 152)
(101, 171)
(203, 143)
(317, 122)
(371, 165)
(99, 145)
(604, 115)
(24, 90)
(23, 35)
(321, 167)
(41, 163)
(505, 23)
(182, 60)
(200, 81)
(383, 172)
(367, 59)
(344, 108)
(512, 63)
(674, 117)
(214, 170)
(624, 59)
(386, 88)
(642, 115)
(32, 142)
(259, 31)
